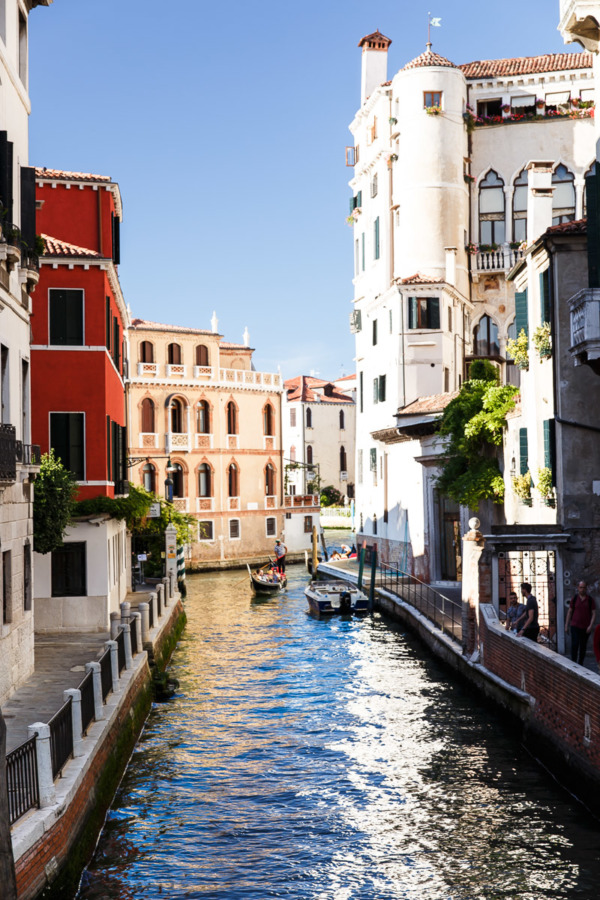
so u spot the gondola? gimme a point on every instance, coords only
(262, 586)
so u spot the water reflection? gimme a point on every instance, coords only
(334, 759)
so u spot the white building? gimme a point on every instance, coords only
(442, 160)
(319, 423)
(18, 276)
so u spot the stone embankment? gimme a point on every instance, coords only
(53, 843)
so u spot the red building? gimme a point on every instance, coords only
(79, 325)
(78, 362)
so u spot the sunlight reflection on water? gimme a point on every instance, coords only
(331, 760)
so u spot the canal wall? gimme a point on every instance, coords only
(52, 845)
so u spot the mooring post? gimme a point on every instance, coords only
(373, 578)
(94, 667)
(76, 720)
(361, 565)
(46, 790)
(114, 664)
(315, 552)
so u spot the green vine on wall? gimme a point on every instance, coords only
(473, 424)
(53, 503)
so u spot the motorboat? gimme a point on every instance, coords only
(268, 582)
(326, 598)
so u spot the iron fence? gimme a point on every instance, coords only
(159, 594)
(151, 612)
(61, 737)
(22, 780)
(121, 649)
(106, 674)
(133, 633)
(444, 612)
(88, 707)
(8, 453)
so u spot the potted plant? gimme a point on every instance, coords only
(518, 349)
(487, 248)
(470, 179)
(542, 340)
(515, 245)
(392, 158)
(393, 120)
(472, 248)
(539, 104)
(575, 101)
(433, 110)
(545, 487)
(521, 485)
(506, 108)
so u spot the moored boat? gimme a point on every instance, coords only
(270, 582)
(326, 598)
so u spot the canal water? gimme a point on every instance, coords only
(330, 760)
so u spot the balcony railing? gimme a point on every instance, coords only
(244, 378)
(205, 504)
(177, 441)
(501, 259)
(270, 501)
(204, 441)
(148, 439)
(181, 504)
(585, 325)
(8, 453)
(301, 500)
(28, 454)
(175, 369)
(145, 368)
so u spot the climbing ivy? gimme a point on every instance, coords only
(53, 503)
(472, 425)
(133, 508)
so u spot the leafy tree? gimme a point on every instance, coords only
(473, 424)
(53, 503)
(330, 496)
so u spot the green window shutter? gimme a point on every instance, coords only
(363, 250)
(593, 229)
(352, 204)
(523, 451)
(358, 202)
(550, 446)
(382, 388)
(373, 459)
(376, 390)
(433, 312)
(545, 295)
(412, 312)
(521, 314)
(376, 237)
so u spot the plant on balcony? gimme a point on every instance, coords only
(472, 248)
(487, 248)
(469, 120)
(506, 108)
(330, 496)
(40, 245)
(393, 120)
(472, 425)
(539, 103)
(517, 245)
(545, 486)
(575, 101)
(433, 110)
(542, 340)
(53, 504)
(518, 349)
(521, 485)
(470, 179)
(392, 158)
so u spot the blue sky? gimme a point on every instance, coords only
(225, 127)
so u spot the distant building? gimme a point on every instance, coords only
(19, 461)
(196, 401)
(443, 157)
(79, 365)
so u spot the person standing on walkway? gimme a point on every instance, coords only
(515, 613)
(280, 554)
(531, 628)
(580, 620)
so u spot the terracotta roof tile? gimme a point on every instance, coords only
(417, 278)
(579, 226)
(54, 247)
(527, 65)
(434, 404)
(301, 388)
(376, 38)
(347, 377)
(429, 58)
(60, 175)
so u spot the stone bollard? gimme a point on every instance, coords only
(115, 622)
(47, 793)
(97, 677)
(127, 642)
(152, 598)
(160, 599)
(166, 590)
(136, 622)
(125, 611)
(144, 611)
(114, 665)
(76, 720)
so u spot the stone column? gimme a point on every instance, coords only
(114, 664)
(76, 721)
(144, 611)
(47, 792)
(125, 611)
(136, 622)
(153, 605)
(115, 622)
(127, 642)
(97, 676)
(473, 545)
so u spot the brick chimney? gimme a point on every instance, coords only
(374, 63)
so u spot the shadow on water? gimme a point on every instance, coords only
(334, 760)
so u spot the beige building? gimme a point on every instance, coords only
(195, 399)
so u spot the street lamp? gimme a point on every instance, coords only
(169, 481)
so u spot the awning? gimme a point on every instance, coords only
(557, 99)
(523, 100)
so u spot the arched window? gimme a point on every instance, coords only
(177, 477)
(147, 416)
(269, 480)
(563, 198)
(520, 207)
(491, 209)
(202, 355)
(176, 416)
(309, 455)
(233, 480)
(309, 418)
(204, 481)
(174, 355)
(342, 420)
(268, 418)
(146, 352)
(203, 417)
(485, 338)
(149, 478)
(293, 454)
(343, 460)
(231, 420)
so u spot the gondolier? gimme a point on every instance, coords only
(280, 554)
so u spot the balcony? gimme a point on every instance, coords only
(271, 501)
(585, 328)
(204, 441)
(248, 378)
(8, 454)
(203, 372)
(148, 440)
(234, 503)
(181, 504)
(176, 441)
(28, 454)
(268, 442)
(205, 504)
(145, 368)
(501, 259)
(175, 369)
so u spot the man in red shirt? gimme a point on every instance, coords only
(580, 618)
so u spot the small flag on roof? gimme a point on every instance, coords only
(435, 22)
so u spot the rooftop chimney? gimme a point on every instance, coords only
(374, 63)
(214, 322)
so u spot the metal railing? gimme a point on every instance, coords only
(8, 453)
(151, 613)
(28, 454)
(444, 612)
(121, 649)
(61, 737)
(88, 707)
(106, 674)
(22, 780)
